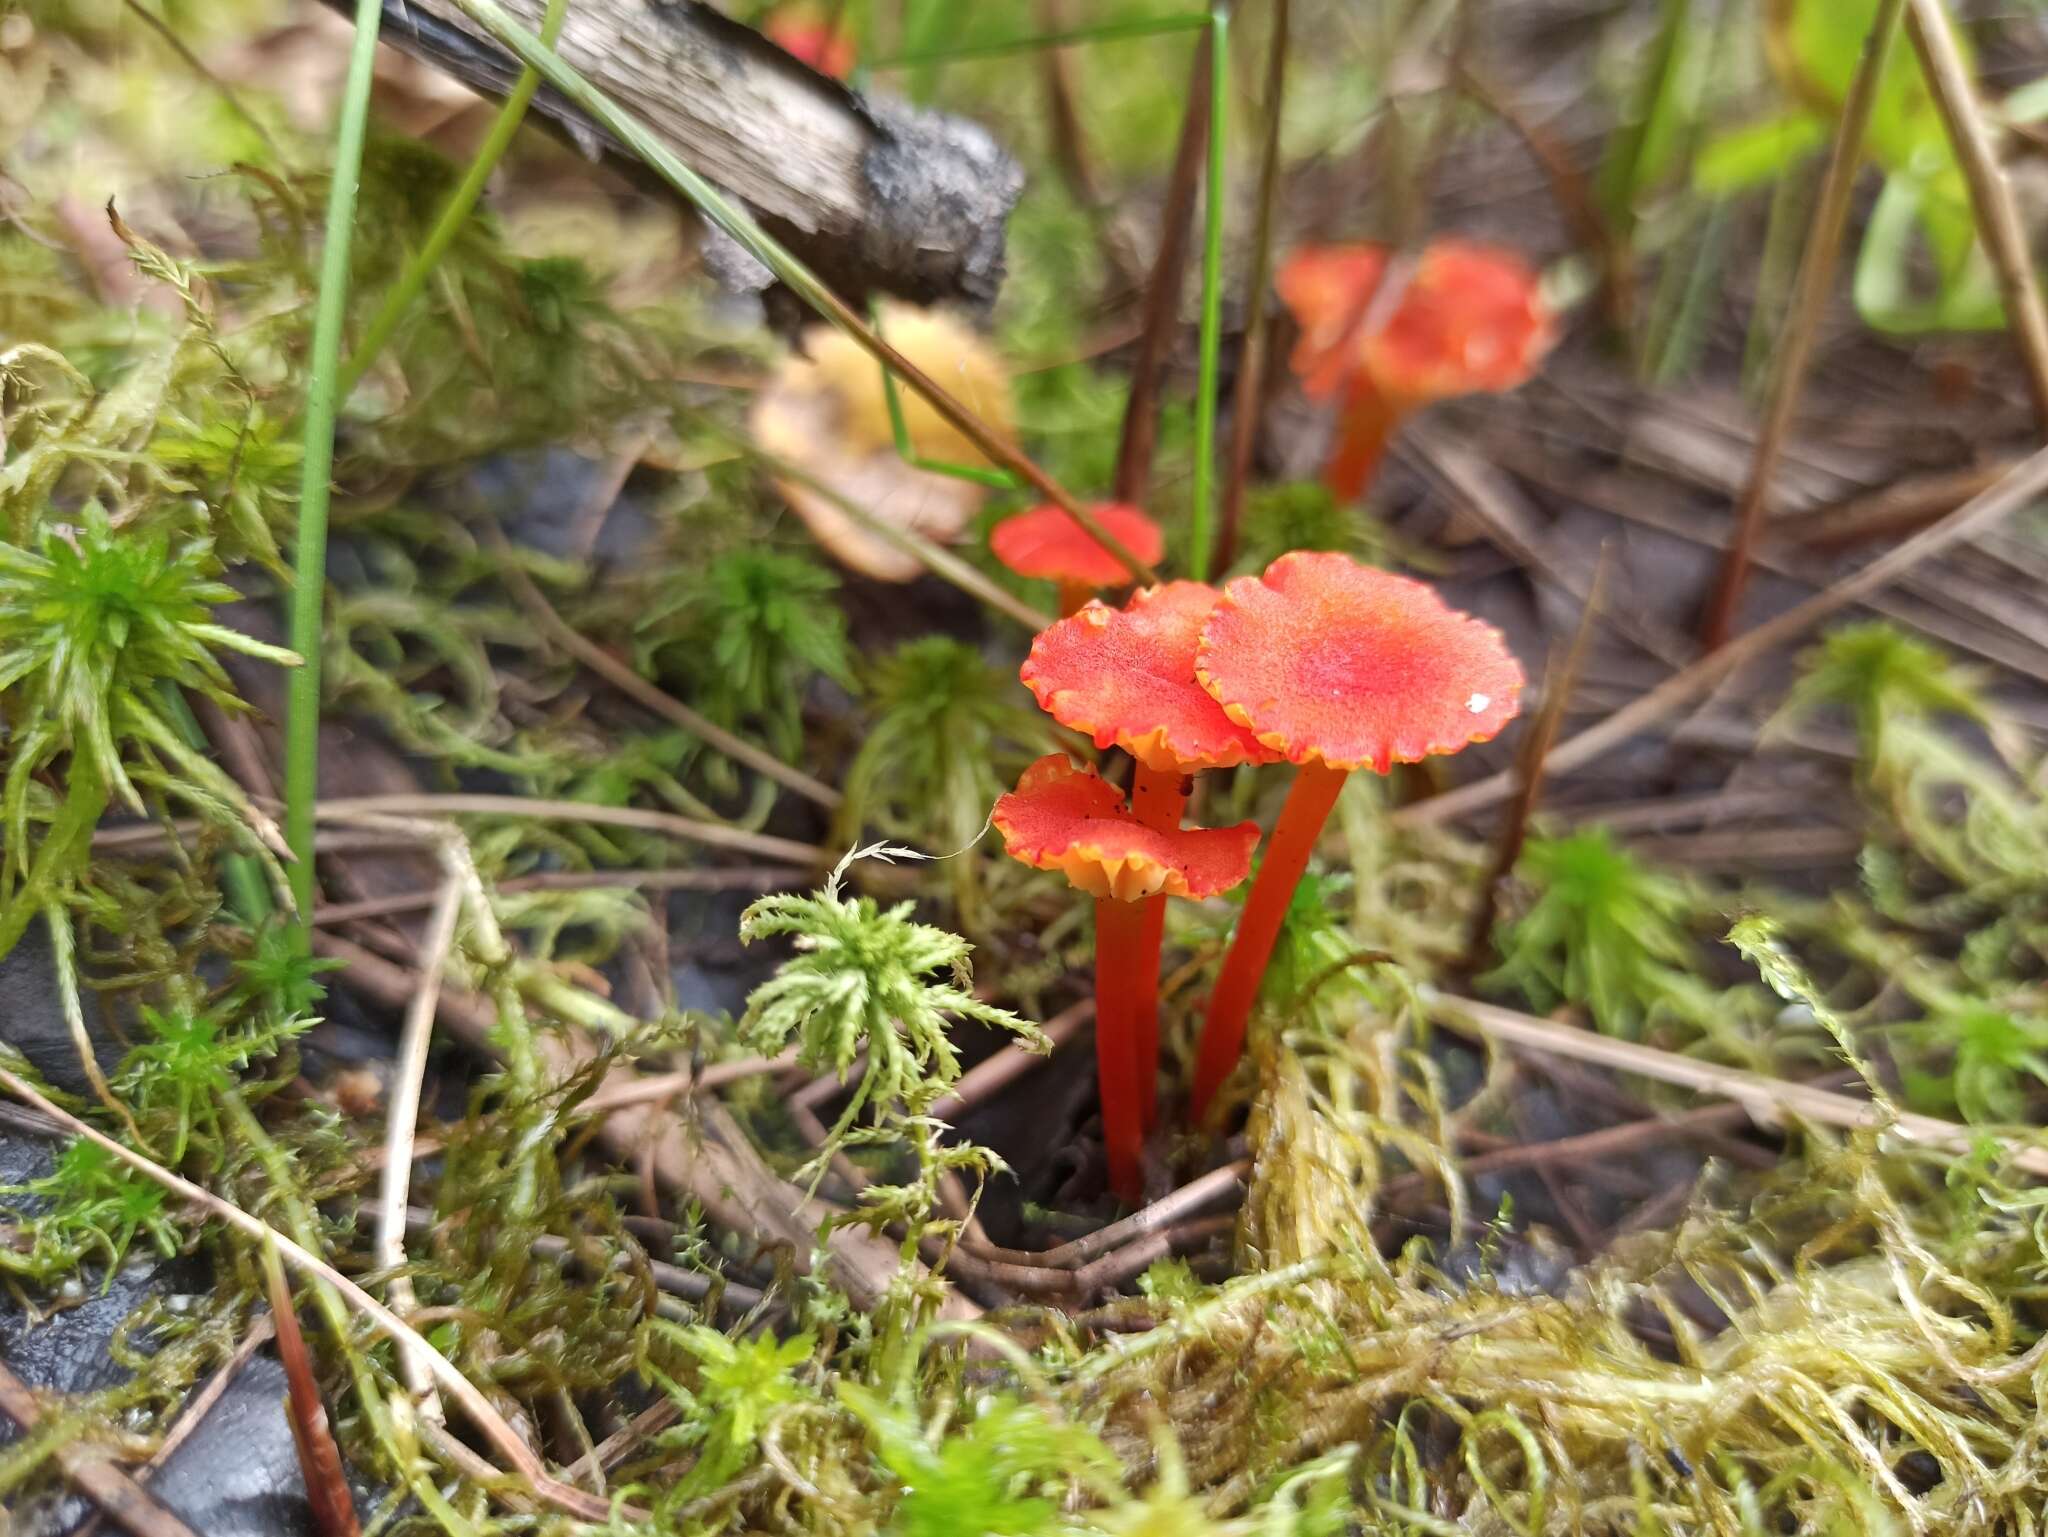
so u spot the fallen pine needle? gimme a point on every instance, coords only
(488, 1420)
(1767, 1100)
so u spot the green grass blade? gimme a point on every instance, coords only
(899, 430)
(412, 282)
(1212, 296)
(302, 704)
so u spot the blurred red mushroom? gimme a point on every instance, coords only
(1127, 678)
(800, 32)
(1335, 666)
(1048, 545)
(1072, 820)
(1469, 319)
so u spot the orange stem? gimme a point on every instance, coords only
(1119, 937)
(1308, 806)
(1158, 799)
(1364, 429)
(1074, 597)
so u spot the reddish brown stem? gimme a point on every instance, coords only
(1119, 940)
(1133, 478)
(1309, 802)
(1811, 287)
(1158, 798)
(1364, 430)
(1074, 597)
(1251, 372)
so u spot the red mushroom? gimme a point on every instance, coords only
(1335, 666)
(1127, 678)
(1468, 320)
(1047, 544)
(800, 32)
(1072, 820)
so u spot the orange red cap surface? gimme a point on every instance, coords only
(1073, 820)
(1127, 677)
(1325, 658)
(1469, 319)
(1048, 544)
(1328, 289)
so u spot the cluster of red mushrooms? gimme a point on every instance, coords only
(1321, 662)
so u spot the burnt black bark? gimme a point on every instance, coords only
(872, 194)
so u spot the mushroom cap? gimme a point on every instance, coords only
(1128, 677)
(1073, 820)
(828, 413)
(1325, 658)
(797, 426)
(1328, 289)
(952, 353)
(1046, 543)
(1469, 320)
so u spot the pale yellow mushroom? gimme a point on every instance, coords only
(827, 412)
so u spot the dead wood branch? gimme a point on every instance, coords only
(870, 193)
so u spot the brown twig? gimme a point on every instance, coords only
(486, 1418)
(733, 878)
(616, 1447)
(1483, 491)
(1660, 1211)
(1913, 605)
(1114, 1269)
(586, 523)
(408, 1072)
(1133, 479)
(711, 834)
(1607, 1141)
(1218, 1184)
(97, 1476)
(328, 1497)
(1991, 196)
(1568, 189)
(2027, 480)
(1766, 1100)
(1552, 1178)
(660, 1086)
(1251, 368)
(1799, 846)
(1580, 1083)
(1560, 681)
(1903, 507)
(638, 689)
(825, 1087)
(1007, 1064)
(1663, 813)
(1809, 300)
